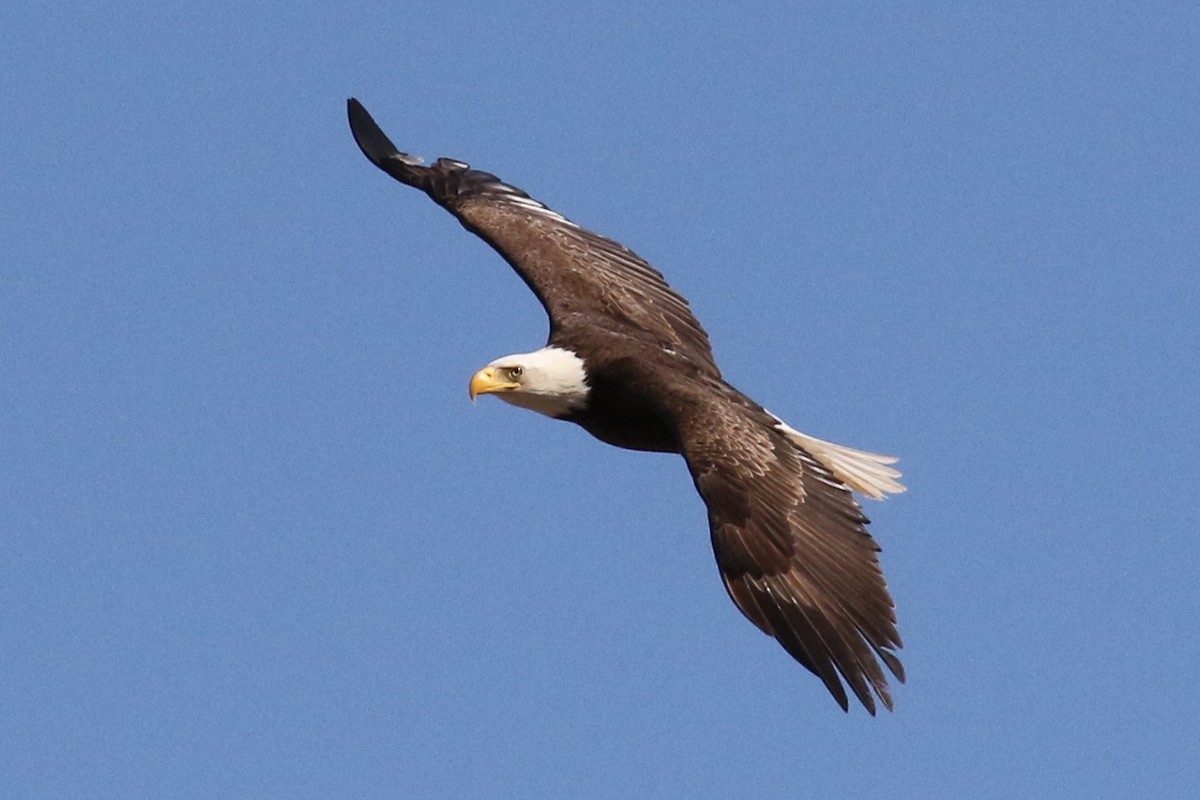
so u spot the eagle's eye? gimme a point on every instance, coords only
(515, 372)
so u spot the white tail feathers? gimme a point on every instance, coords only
(866, 473)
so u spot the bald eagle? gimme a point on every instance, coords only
(628, 362)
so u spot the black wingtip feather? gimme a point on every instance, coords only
(369, 137)
(379, 149)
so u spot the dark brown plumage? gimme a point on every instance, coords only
(789, 538)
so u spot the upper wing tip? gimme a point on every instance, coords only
(372, 141)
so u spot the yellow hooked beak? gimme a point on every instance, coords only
(490, 380)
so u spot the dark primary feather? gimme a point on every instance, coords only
(788, 536)
(575, 273)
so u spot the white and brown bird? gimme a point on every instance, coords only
(628, 362)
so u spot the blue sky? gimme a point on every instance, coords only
(257, 543)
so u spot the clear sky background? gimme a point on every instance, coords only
(256, 542)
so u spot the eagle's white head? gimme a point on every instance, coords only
(550, 381)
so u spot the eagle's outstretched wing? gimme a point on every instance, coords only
(575, 273)
(793, 549)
